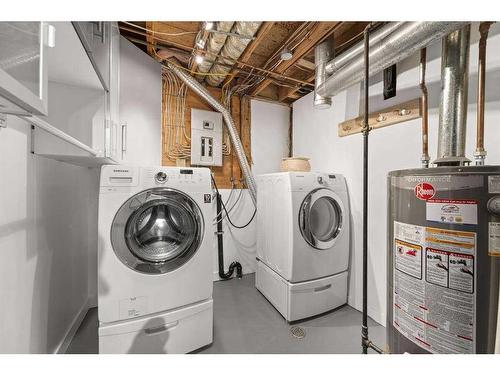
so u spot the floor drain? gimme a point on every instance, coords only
(298, 332)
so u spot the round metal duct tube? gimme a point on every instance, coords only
(194, 85)
(453, 103)
(338, 62)
(322, 54)
(397, 46)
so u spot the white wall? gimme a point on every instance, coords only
(394, 147)
(44, 231)
(269, 136)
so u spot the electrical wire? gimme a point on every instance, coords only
(227, 214)
(232, 207)
(159, 32)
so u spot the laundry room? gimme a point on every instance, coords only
(192, 181)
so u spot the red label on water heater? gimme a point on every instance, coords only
(424, 191)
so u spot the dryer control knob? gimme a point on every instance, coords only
(161, 177)
(494, 205)
(320, 180)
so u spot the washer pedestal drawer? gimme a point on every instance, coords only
(175, 331)
(296, 301)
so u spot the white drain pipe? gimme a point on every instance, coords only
(198, 88)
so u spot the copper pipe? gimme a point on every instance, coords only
(425, 110)
(480, 153)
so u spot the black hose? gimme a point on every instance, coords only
(220, 247)
(227, 213)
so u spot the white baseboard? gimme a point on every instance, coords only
(70, 333)
(92, 302)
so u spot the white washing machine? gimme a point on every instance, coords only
(303, 242)
(155, 259)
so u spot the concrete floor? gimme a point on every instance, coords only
(245, 322)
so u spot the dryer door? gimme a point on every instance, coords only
(157, 230)
(320, 218)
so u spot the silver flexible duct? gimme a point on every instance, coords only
(453, 103)
(322, 54)
(355, 51)
(194, 85)
(397, 46)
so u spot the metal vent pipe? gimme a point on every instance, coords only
(194, 85)
(397, 46)
(323, 53)
(453, 103)
(356, 51)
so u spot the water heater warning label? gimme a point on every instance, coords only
(434, 300)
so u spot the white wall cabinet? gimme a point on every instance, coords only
(140, 105)
(23, 67)
(79, 103)
(96, 37)
(92, 104)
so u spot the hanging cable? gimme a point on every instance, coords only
(227, 214)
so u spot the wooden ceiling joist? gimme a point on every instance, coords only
(245, 56)
(321, 31)
(260, 64)
(345, 39)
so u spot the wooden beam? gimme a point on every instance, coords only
(149, 38)
(406, 111)
(303, 63)
(320, 31)
(247, 53)
(286, 92)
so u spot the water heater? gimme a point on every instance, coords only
(444, 260)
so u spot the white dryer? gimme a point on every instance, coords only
(155, 258)
(303, 242)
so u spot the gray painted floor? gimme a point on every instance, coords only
(245, 322)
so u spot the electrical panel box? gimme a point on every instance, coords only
(206, 137)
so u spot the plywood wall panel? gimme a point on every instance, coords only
(240, 110)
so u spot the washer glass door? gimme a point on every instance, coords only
(320, 218)
(157, 230)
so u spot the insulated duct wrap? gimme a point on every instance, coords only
(397, 46)
(232, 50)
(194, 85)
(215, 43)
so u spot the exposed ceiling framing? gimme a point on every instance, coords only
(259, 71)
